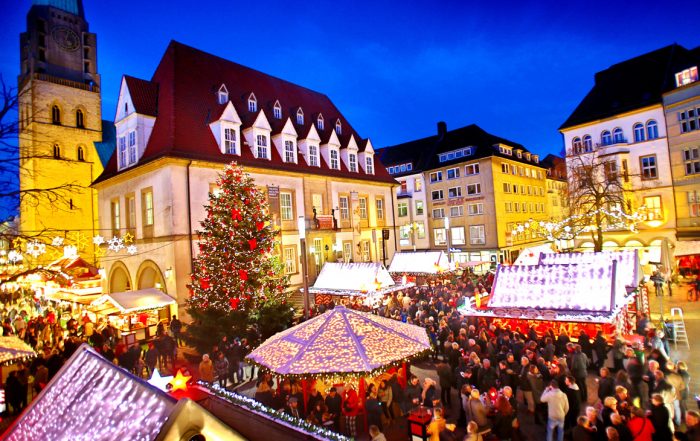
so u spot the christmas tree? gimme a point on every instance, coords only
(238, 287)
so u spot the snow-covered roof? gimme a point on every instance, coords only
(13, 349)
(531, 255)
(132, 301)
(421, 262)
(628, 267)
(364, 279)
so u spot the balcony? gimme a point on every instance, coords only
(326, 222)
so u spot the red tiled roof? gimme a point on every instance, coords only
(186, 82)
(144, 95)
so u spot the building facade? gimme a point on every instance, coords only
(620, 124)
(60, 140)
(478, 188)
(682, 115)
(176, 132)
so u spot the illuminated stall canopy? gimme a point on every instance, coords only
(421, 263)
(131, 301)
(629, 269)
(355, 279)
(13, 349)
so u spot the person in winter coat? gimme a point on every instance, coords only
(374, 409)
(640, 426)
(412, 395)
(350, 410)
(263, 394)
(504, 419)
(428, 394)
(221, 369)
(583, 430)
(477, 412)
(537, 384)
(386, 398)
(600, 347)
(620, 427)
(557, 407)
(660, 419)
(333, 402)
(573, 395)
(606, 384)
(436, 426)
(524, 384)
(445, 375)
(206, 368)
(579, 369)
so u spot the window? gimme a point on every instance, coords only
(347, 251)
(403, 209)
(277, 111)
(319, 122)
(617, 135)
(577, 145)
(56, 151)
(313, 155)
(587, 143)
(81, 154)
(409, 166)
(252, 103)
(363, 208)
(403, 189)
(649, 170)
(689, 120)
(694, 203)
(300, 116)
(520, 154)
(79, 119)
(289, 151)
(438, 213)
(509, 207)
(130, 213)
(230, 141)
(687, 76)
(653, 208)
(471, 169)
(147, 204)
(335, 164)
(457, 236)
(405, 234)
(418, 184)
(638, 132)
(55, 115)
(261, 144)
(402, 168)
(529, 189)
(369, 165)
(473, 189)
(475, 209)
(521, 171)
(286, 206)
(132, 147)
(122, 151)
(365, 251)
(605, 138)
(439, 236)
(691, 157)
(454, 192)
(652, 129)
(452, 173)
(419, 208)
(222, 95)
(116, 217)
(352, 161)
(505, 150)
(457, 211)
(477, 235)
(290, 260)
(338, 127)
(420, 229)
(437, 195)
(344, 208)
(380, 209)
(436, 176)
(505, 168)
(516, 207)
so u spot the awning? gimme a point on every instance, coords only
(419, 263)
(687, 248)
(131, 301)
(355, 279)
(67, 296)
(472, 263)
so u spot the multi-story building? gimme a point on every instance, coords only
(481, 187)
(682, 111)
(176, 132)
(620, 125)
(556, 187)
(60, 146)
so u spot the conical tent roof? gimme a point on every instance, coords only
(341, 341)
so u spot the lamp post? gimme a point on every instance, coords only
(447, 238)
(301, 225)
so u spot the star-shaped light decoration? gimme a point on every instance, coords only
(161, 382)
(70, 252)
(36, 248)
(57, 241)
(17, 243)
(99, 251)
(131, 249)
(179, 382)
(98, 240)
(79, 239)
(128, 237)
(115, 244)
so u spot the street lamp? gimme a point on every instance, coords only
(301, 225)
(447, 238)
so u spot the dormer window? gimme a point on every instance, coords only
(230, 141)
(352, 162)
(252, 103)
(687, 76)
(313, 155)
(261, 147)
(300, 116)
(277, 110)
(520, 154)
(536, 159)
(122, 152)
(132, 147)
(289, 155)
(338, 127)
(369, 165)
(222, 95)
(319, 122)
(335, 162)
(528, 156)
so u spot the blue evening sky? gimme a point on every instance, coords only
(394, 69)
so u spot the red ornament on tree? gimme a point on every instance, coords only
(236, 215)
(243, 274)
(253, 244)
(204, 283)
(260, 225)
(234, 302)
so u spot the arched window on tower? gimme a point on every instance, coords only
(81, 153)
(79, 119)
(55, 115)
(56, 151)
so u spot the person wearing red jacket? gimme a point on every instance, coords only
(350, 410)
(640, 426)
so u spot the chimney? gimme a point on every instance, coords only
(442, 129)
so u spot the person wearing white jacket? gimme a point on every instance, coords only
(557, 407)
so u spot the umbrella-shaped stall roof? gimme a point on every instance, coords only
(131, 301)
(355, 279)
(341, 342)
(13, 349)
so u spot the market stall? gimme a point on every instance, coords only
(687, 255)
(370, 281)
(420, 267)
(135, 313)
(531, 255)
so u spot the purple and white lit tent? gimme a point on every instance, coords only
(629, 269)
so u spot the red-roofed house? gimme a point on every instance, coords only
(200, 112)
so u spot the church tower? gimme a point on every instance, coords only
(60, 124)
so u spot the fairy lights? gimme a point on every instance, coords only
(12, 349)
